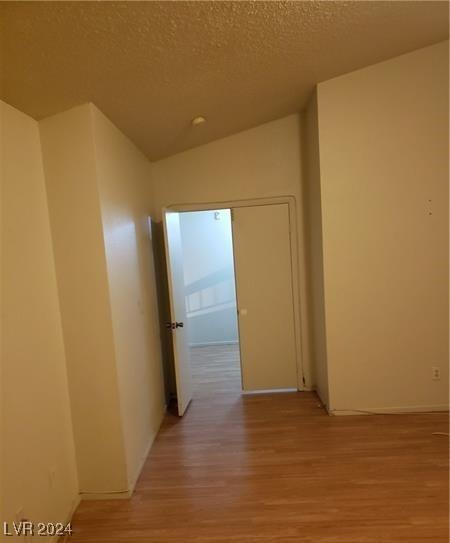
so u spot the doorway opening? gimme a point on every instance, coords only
(260, 259)
(210, 300)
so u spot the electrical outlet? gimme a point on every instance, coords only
(436, 373)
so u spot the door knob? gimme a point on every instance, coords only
(173, 325)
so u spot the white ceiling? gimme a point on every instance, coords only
(153, 66)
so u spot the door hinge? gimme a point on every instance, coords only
(232, 214)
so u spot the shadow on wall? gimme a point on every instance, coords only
(312, 228)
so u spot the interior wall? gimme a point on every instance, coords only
(99, 190)
(38, 474)
(77, 232)
(262, 162)
(384, 189)
(314, 245)
(123, 175)
(209, 277)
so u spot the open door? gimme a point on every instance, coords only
(174, 253)
(264, 288)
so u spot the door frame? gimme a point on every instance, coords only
(295, 266)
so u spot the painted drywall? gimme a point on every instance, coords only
(77, 231)
(99, 191)
(259, 163)
(38, 473)
(384, 147)
(209, 277)
(313, 237)
(123, 177)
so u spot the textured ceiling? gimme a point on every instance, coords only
(153, 66)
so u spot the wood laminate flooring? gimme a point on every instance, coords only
(276, 468)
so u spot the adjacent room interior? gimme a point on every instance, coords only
(210, 294)
(224, 271)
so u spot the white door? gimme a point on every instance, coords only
(174, 253)
(263, 268)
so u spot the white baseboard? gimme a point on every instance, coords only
(211, 343)
(114, 495)
(389, 410)
(125, 494)
(269, 391)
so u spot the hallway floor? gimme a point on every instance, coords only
(275, 468)
(216, 370)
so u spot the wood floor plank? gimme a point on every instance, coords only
(275, 468)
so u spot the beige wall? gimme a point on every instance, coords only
(38, 473)
(314, 248)
(384, 187)
(259, 163)
(123, 175)
(99, 192)
(71, 175)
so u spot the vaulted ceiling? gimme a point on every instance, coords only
(153, 66)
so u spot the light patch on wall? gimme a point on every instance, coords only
(209, 276)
